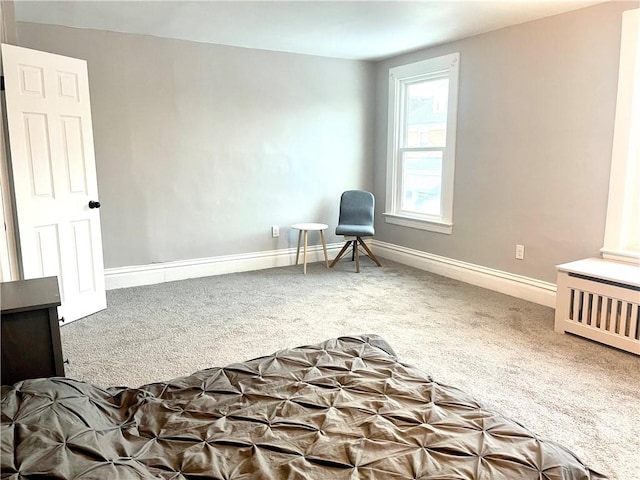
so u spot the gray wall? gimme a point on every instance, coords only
(535, 130)
(201, 148)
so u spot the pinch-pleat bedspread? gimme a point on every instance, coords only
(343, 409)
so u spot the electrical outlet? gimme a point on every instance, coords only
(519, 252)
(275, 231)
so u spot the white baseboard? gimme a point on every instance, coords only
(530, 289)
(133, 276)
(537, 291)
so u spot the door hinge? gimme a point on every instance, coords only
(2, 83)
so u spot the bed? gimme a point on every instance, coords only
(343, 409)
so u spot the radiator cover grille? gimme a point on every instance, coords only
(600, 309)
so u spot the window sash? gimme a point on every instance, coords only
(401, 189)
(403, 120)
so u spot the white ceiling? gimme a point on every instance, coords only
(364, 30)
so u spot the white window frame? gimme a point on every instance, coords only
(399, 78)
(622, 231)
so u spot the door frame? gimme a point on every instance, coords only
(9, 264)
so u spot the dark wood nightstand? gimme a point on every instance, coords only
(31, 346)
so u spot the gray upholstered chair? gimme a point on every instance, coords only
(356, 220)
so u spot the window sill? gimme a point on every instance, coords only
(624, 256)
(419, 223)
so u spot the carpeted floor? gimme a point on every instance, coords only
(500, 349)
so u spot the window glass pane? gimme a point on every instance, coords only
(425, 122)
(421, 182)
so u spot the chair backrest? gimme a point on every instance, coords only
(356, 208)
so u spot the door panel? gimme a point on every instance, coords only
(74, 154)
(47, 248)
(54, 175)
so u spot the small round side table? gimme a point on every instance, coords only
(306, 227)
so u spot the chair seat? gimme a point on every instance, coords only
(355, 230)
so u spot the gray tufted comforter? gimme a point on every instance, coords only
(343, 409)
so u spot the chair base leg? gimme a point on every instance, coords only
(369, 252)
(354, 253)
(340, 253)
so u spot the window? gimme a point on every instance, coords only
(423, 99)
(622, 232)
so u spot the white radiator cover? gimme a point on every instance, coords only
(600, 300)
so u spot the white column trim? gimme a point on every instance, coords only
(621, 228)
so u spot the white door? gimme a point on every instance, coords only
(54, 175)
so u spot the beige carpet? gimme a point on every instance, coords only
(500, 349)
